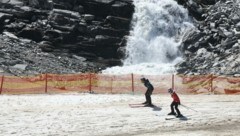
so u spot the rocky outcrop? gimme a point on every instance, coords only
(91, 29)
(214, 46)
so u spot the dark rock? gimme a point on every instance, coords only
(89, 17)
(111, 62)
(123, 43)
(122, 9)
(228, 43)
(106, 41)
(67, 13)
(118, 22)
(15, 26)
(46, 48)
(195, 10)
(121, 52)
(3, 17)
(99, 30)
(192, 36)
(102, 7)
(34, 34)
(79, 8)
(42, 4)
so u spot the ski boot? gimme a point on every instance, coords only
(149, 105)
(172, 113)
(179, 116)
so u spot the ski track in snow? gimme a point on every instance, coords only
(110, 115)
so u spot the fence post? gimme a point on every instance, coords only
(111, 84)
(46, 82)
(132, 83)
(1, 85)
(211, 83)
(90, 82)
(173, 81)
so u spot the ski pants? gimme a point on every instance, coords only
(148, 96)
(175, 105)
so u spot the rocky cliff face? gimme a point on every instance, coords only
(64, 36)
(214, 46)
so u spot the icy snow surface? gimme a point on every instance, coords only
(110, 115)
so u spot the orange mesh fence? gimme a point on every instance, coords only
(129, 83)
(68, 83)
(111, 84)
(21, 85)
(193, 83)
(227, 85)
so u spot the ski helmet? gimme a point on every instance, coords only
(170, 90)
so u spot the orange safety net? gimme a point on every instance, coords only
(68, 83)
(193, 83)
(129, 83)
(21, 85)
(102, 83)
(226, 85)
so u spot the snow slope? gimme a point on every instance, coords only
(110, 115)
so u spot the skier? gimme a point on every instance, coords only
(175, 103)
(148, 93)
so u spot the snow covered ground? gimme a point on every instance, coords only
(110, 115)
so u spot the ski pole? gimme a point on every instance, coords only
(188, 108)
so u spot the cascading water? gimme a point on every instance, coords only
(152, 47)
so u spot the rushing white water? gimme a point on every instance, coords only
(152, 47)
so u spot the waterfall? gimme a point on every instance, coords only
(152, 46)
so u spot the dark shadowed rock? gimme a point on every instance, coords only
(118, 22)
(99, 30)
(121, 52)
(106, 41)
(34, 34)
(42, 4)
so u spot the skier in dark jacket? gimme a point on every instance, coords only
(175, 103)
(148, 92)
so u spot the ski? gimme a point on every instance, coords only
(137, 106)
(170, 118)
(183, 118)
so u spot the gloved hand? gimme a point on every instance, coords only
(179, 103)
